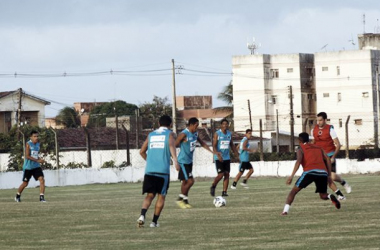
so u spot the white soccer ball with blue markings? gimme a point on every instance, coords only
(219, 201)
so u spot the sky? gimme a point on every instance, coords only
(132, 43)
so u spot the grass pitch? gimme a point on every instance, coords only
(104, 217)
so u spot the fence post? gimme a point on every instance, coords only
(261, 141)
(347, 143)
(56, 147)
(117, 132)
(88, 146)
(23, 142)
(127, 144)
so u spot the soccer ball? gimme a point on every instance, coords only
(219, 201)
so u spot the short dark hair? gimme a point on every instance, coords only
(248, 130)
(224, 120)
(33, 132)
(193, 121)
(323, 115)
(303, 137)
(165, 120)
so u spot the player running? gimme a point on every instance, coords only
(313, 159)
(187, 140)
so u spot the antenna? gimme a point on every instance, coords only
(352, 40)
(377, 28)
(324, 47)
(253, 46)
(364, 23)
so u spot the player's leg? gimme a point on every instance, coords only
(237, 178)
(39, 175)
(321, 188)
(289, 200)
(25, 181)
(248, 175)
(332, 184)
(219, 169)
(186, 176)
(226, 176)
(157, 210)
(337, 178)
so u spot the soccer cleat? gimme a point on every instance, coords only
(42, 198)
(18, 198)
(141, 221)
(152, 224)
(233, 187)
(212, 191)
(224, 193)
(335, 201)
(181, 204)
(187, 205)
(347, 187)
(284, 213)
(341, 197)
(244, 185)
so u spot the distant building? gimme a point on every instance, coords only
(84, 109)
(32, 110)
(369, 41)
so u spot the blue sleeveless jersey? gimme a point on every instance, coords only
(244, 155)
(223, 144)
(33, 152)
(187, 148)
(158, 159)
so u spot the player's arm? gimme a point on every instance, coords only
(311, 137)
(327, 161)
(144, 148)
(337, 149)
(204, 145)
(173, 152)
(179, 139)
(236, 153)
(29, 157)
(296, 166)
(245, 148)
(215, 147)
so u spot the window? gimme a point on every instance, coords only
(290, 70)
(274, 73)
(337, 70)
(326, 94)
(339, 97)
(365, 94)
(358, 122)
(310, 96)
(340, 123)
(274, 99)
(325, 68)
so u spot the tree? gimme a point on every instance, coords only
(227, 94)
(152, 111)
(68, 117)
(110, 109)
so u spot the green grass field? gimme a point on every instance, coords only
(104, 217)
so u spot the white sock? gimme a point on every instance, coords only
(41, 194)
(183, 196)
(329, 196)
(286, 208)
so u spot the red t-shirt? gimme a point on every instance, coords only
(312, 157)
(323, 138)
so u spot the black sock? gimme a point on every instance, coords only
(18, 195)
(155, 218)
(234, 184)
(143, 211)
(338, 192)
(343, 182)
(245, 181)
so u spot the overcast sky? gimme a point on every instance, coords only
(70, 36)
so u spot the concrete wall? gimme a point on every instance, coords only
(203, 167)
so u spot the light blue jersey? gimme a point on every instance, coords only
(223, 144)
(158, 159)
(34, 149)
(244, 155)
(187, 148)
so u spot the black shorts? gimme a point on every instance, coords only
(156, 184)
(36, 173)
(185, 171)
(223, 167)
(319, 178)
(245, 165)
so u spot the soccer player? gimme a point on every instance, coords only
(313, 160)
(187, 140)
(244, 160)
(222, 142)
(32, 167)
(324, 135)
(156, 150)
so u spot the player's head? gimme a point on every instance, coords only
(193, 124)
(165, 121)
(34, 136)
(303, 138)
(224, 124)
(321, 119)
(248, 133)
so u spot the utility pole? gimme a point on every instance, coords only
(174, 100)
(137, 128)
(291, 120)
(261, 142)
(250, 117)
(19, 112)
(117, 131)
(277, 133)
(376, 117)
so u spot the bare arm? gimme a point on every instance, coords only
(144, 148)
(296, 166)
(215, 147)
(179, 139)
(29, 157)
(337, 149)
(245, 148)
(204, 145)
(236, 153)
(327, 161)
(173, 152)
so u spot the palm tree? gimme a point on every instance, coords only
(227, 96)
(68, 117)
